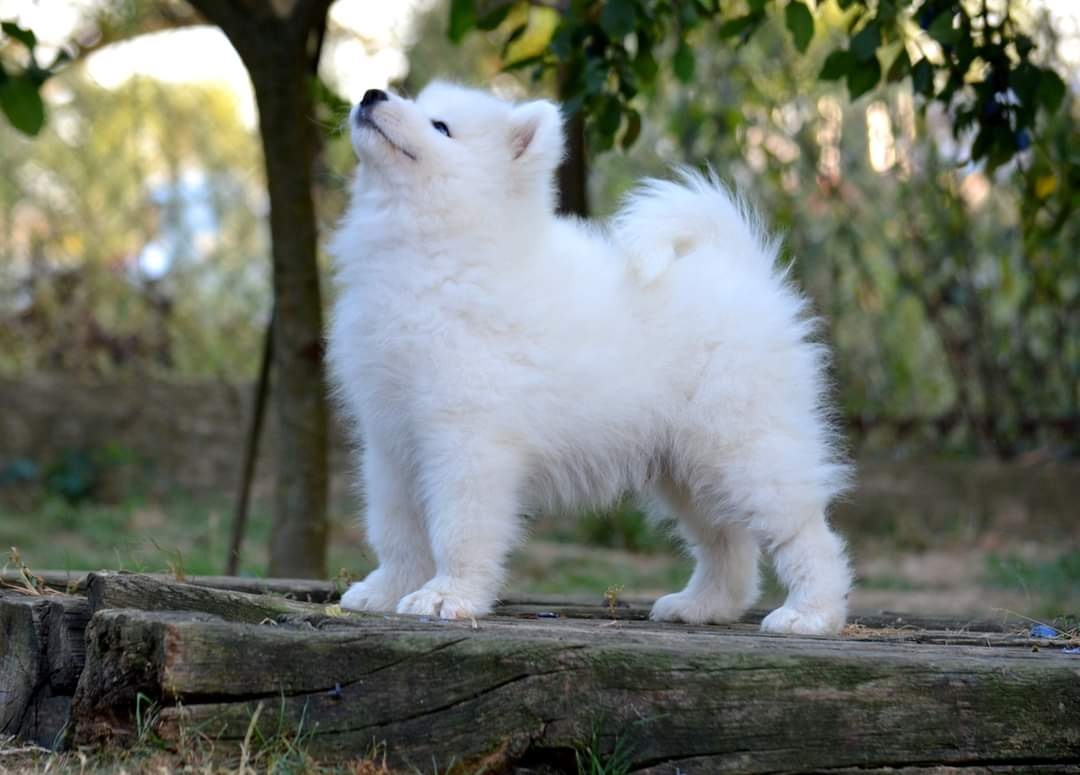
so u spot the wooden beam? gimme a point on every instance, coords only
(696, 698)
(42, 650)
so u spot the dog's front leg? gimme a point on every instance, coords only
(471, 492)
(395, 530)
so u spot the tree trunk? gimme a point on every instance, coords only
(573, 172)
(298, 541)
(280, 49)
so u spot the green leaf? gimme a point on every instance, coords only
(618, 18)
(596, 75)
(740, 25)
(900, 67)
(26, 37)
(562, 42)
(688, 16)
(609, 116)
(865, 43)
(922, 78)
(462, 18)
(837, 65)
(800, 22)
(942, 30)
(606, 119)
(1024, 45)
(493, 19)
(633, 129)
(1051, 90)
(21, 103)
(684, 62)
(645, 67)
(863, 77)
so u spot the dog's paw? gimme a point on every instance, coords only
(814, 621)
(694, 609)
(443, 600)
(372, 594)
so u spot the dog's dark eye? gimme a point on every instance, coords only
(441, 127)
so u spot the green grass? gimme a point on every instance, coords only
(1053, 586)
(178, 534)
(623, 527)
(187, 534)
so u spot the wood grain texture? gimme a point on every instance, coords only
(41, 656)
(699, 699)
(297, 589)
(532, 683)
(148, 593)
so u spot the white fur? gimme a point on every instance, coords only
(496, 359)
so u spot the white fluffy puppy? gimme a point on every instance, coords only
(497, 359)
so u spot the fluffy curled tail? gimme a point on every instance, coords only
(661, 221)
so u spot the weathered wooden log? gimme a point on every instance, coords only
(212, 594)
(41, 656)
(311, 591)
(306, 590)
(695, 699)
(149, 593)
(535, 681)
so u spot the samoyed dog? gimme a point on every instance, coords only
(497, 360)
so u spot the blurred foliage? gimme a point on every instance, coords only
(624, 526)
(951, 289)
(973, 57)
(131, 236)
(1055, 583)
(74, 475)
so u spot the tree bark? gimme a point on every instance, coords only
(574, 170)
(279, 45)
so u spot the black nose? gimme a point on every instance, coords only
(371, 96)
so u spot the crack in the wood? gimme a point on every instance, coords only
(462, 701)
(407, 657)
(39, 624)
(209, 698)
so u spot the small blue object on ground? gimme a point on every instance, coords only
(1074, 650)
(1043, 631)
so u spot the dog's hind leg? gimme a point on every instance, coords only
(782, 485)
(811, 563)
(725, 581)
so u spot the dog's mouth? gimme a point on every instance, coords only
(364, 120)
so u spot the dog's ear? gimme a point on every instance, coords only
(536, 135)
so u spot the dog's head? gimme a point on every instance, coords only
(457, 146)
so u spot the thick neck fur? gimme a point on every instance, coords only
(384, 224)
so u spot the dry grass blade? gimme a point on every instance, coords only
(29, 582)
